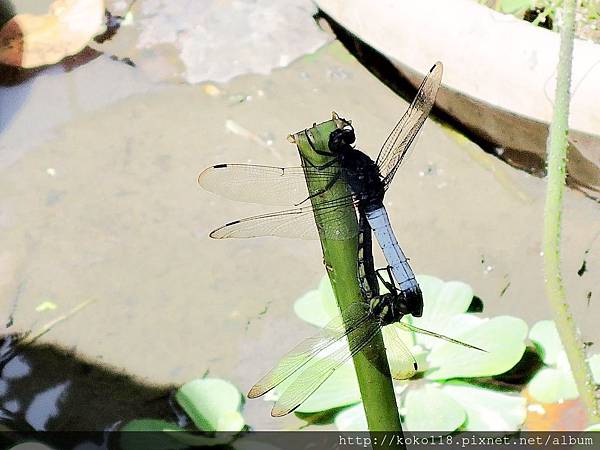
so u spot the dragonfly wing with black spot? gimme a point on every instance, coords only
(296, 223)
(293, 223)
(266, 185)
(352, 317)
(403, 135)
(402, 362)
(317, 372)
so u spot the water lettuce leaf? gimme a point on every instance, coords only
(212, 404)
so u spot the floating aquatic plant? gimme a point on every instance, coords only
(212, 404)
(554, 382)
(440, 397)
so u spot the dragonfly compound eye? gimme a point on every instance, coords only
(340, 138)
(348, 135)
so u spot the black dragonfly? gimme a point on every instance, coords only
(367, 181)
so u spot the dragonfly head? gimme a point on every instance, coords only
(341, 138)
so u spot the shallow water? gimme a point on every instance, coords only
(99, 201)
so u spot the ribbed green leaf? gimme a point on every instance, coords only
(502, 337)
(488, 410)
(429, 408)
(210, 403)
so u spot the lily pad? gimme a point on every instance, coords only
(446, 304)
(553, 384)
(150, 425)
(212, 404)
(442, 299)
(514, 6)
(173, 437)
(488, 410)
(430, 286)
(150, 437)
(503, 339)
(425, 409)
(547, 340)
(317, 306)
(429, 408)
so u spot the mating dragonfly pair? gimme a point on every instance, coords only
(367, 182)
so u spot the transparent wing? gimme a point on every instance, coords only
(263, 184)
(294, 223)
(402, 362)
(318, 371)
(402, 136)
(352, 317)
(439, 336)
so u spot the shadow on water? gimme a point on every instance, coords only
(47, 388)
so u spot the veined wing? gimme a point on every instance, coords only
(318, 371)
(350, 319)
(402, 362)
(263, 184)
(294, 223)
(402, 136)
(439, 336)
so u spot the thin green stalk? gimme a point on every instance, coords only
(340, 258)
(556, 162)
(30, 338)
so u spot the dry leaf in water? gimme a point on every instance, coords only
(29, 40)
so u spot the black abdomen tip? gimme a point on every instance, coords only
(414, 300)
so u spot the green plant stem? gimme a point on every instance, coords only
(340, 258)
(556, 162)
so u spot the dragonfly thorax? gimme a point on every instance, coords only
(388, 308)
(358, 169)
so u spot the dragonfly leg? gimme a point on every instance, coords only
(322, 166)
(319, 152)
(388, 284)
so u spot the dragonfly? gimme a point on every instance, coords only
(320, 355)
(366, 181)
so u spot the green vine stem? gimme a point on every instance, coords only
(339, 256)
(556, 162)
